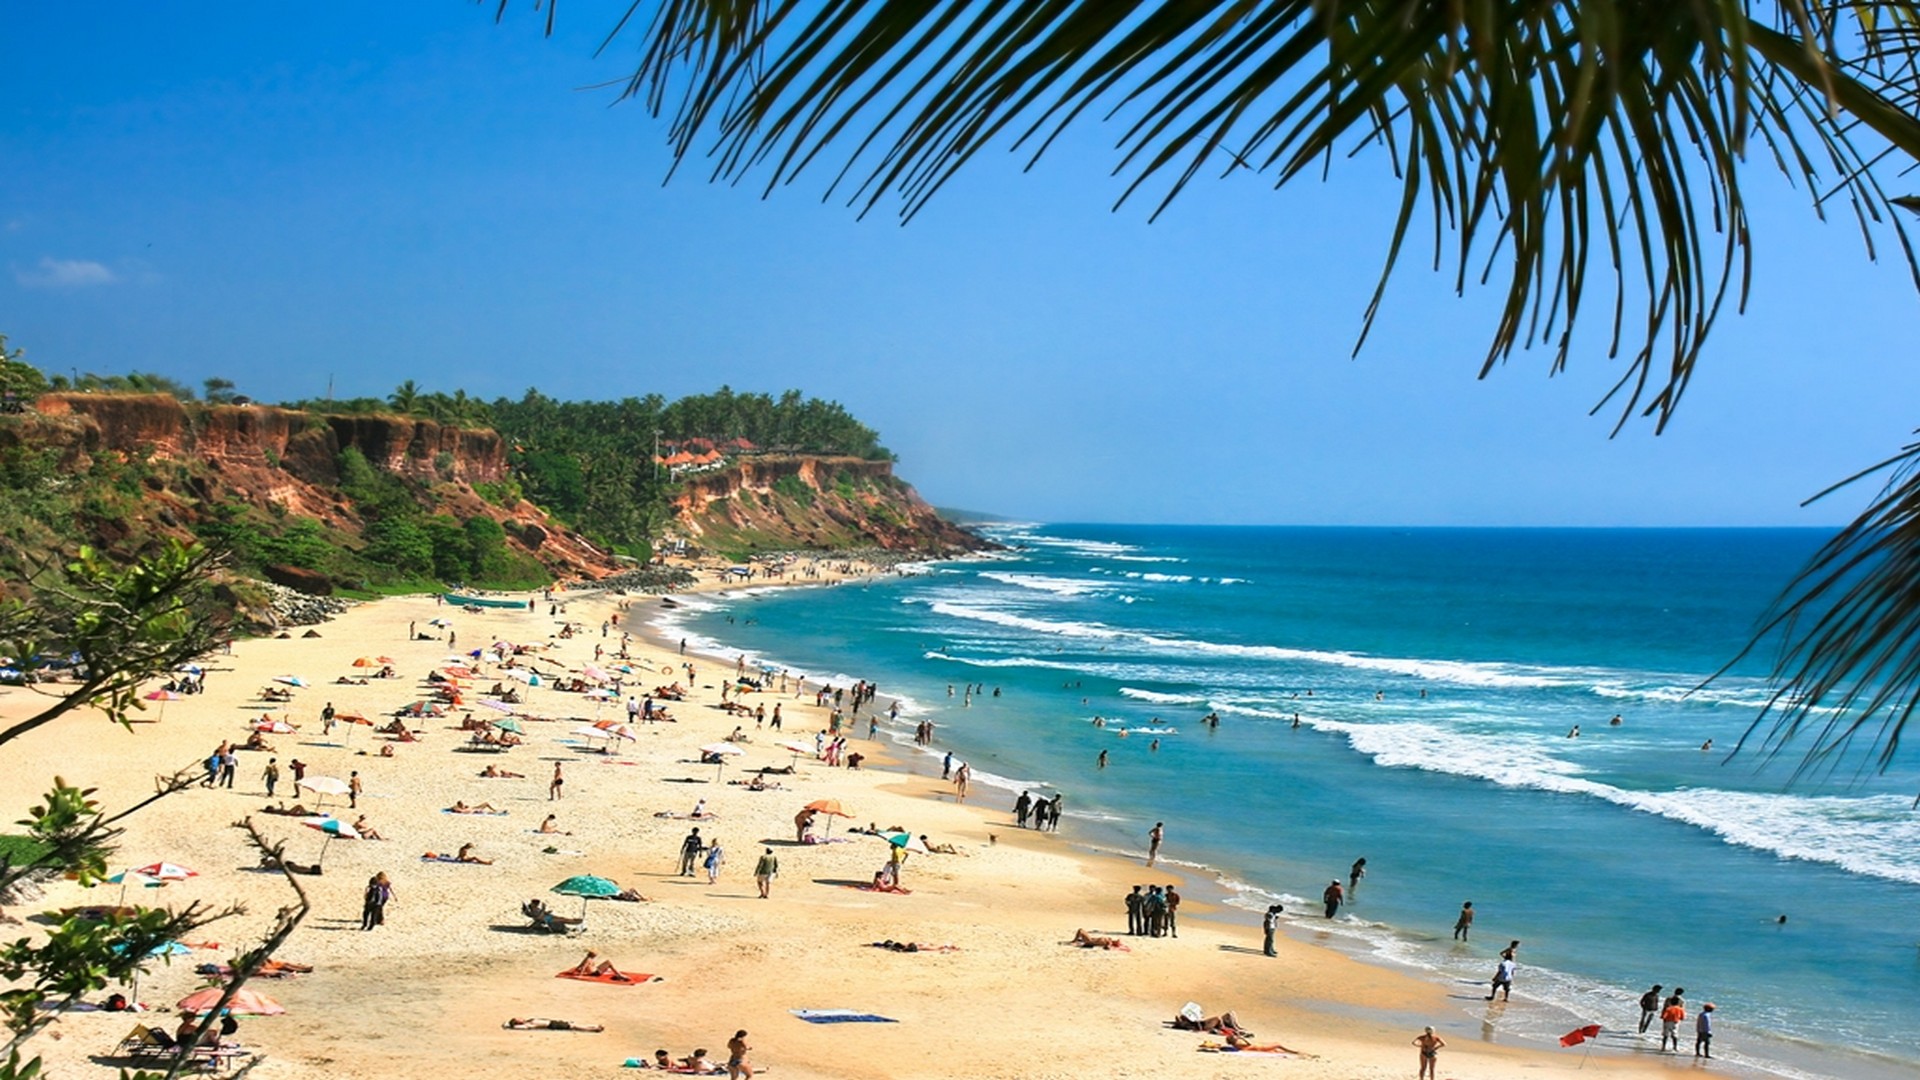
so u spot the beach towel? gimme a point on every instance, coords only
(840, 1016)
(630, 978)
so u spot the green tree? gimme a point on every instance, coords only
(1577, 155)
(219, 391)
(18, 379)
(405, 398)
(400, 543)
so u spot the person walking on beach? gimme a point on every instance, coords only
(1333, 897)
(1503, 978)
(946, 765)
(1269, 925)
(1136, 911)
(1649, 1007)
(1022, 806)
(299, 770)
(960, 777)
(1353, 879)
(229, 765)
(554, 789)
(1465, 923)
(1154, 836)
(1429, 1045)
(690, 849)
(716, 858)
(271, 775)
(1703, 1032)
(765, 871)
(353, 789)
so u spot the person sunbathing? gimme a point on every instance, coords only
(940, 849)
(501, 774)
(366, 830)
(552, 825)
(256, 741)
(460, 807)
(698, 1063)
(1212, 1025)
(296, 810)
(537, 1023)
(885, 882)
(396, 726)
(603, 970)
(1095, 941)
(1238, 1041)
(631, 895)
(385, 751)
(466, 855)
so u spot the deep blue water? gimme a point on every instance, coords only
(1436, 674)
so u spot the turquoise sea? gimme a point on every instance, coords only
(1436, 674)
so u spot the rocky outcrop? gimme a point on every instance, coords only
(306, 445)
(781, 502)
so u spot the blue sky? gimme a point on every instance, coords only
(281, 194)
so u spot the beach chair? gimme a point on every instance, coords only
(543, 918)
(144, 1043)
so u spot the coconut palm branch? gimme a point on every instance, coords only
(1573, 153)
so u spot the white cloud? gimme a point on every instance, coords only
(52, 273)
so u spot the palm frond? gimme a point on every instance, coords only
(1525, 129)
(1849, 626)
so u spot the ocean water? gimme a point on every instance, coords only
(1435, 675)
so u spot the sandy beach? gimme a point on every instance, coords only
(427, 993)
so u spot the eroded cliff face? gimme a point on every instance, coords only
(786, 502)
(287, 462)
(305, 444)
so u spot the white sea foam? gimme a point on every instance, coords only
(1877, 835)
(1148, 558)
(1155, 697)
(1058, 586)
(1461, 672)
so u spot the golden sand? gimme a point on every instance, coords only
(426, 994)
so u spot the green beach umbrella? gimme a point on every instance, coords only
(586, 887)
(510, 724)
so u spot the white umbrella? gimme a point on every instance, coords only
(497, 706)
(324, 786)
(796, 748)
(621, 731)
(722, 750)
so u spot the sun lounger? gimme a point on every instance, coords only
(145, 1043)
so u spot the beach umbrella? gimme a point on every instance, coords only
(246, 1002)
(589, 732)
(324, 786)
(722, 751)
(905, 840)
(188, 669)
(352, 719)
(586, 887)
(595, 673)
(335, 829)
(829, 807)
(439, 622)
(508, 723)
(496, 706)
(165, 871)
(365, 661)
(796, 748)
(132, 877)
(290, 680)
(520, 675)
(621, 731)
(161, 696)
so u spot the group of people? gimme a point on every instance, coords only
(1672, 1012)
(1153, 911)
(1042, 811)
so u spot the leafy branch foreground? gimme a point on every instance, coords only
(89, 634)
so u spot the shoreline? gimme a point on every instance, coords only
(728, 962)
(1209, 892)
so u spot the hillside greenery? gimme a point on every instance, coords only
(590, 465)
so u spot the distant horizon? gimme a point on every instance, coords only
(976, 518)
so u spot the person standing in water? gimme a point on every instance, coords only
(1649, 1007)
(1353, 879)
(1334, 896)
(1465, 923)
(1154, 836)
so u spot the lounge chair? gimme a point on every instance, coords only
(543, 918)
(145, 1043)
